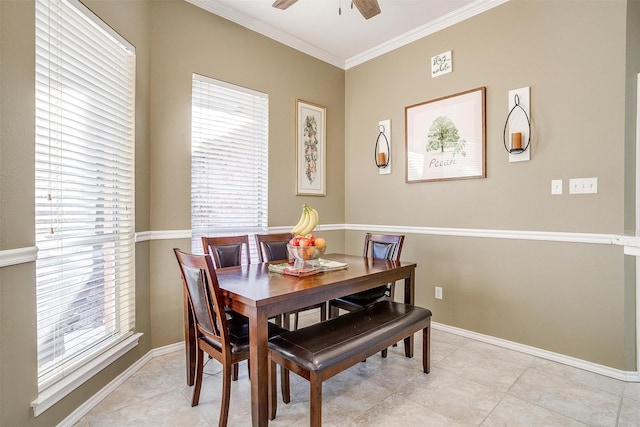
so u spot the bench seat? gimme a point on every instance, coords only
(324, 349)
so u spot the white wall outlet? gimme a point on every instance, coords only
(438, 292)
(583, 186)
(556, 186)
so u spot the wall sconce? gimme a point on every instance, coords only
(517, 127)
(382, 150)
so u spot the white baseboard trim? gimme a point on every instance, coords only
(94, 400)
(629, 376)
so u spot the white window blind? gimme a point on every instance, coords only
(229, 160)
(85, 88)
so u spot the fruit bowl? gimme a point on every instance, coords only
(303, 254)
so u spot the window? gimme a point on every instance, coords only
(229, 160)
(84, 163)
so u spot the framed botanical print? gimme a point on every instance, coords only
(310, 148)
(445, 138)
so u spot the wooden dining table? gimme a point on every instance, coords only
(259, 294)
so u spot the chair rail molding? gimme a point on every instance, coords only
(18, 256)
(631, 244)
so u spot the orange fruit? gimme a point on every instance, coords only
(320, 242)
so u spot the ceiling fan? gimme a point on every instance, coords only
(368, 8)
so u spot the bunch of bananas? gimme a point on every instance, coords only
(307, 223)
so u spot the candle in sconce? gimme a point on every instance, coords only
(516, 140)
(382, 158)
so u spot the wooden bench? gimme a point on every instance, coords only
(320, 351)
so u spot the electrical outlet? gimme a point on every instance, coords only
(438, 292)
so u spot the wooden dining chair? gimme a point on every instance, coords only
(376, 246)
(273, 247)
(227, 251)
(222, 334)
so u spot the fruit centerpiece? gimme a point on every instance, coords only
(304, 246)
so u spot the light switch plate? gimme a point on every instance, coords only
(583, 186)
(556, 186)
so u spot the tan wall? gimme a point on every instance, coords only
(186, 40)
(542, 294)
(18, 370)
(563, 297)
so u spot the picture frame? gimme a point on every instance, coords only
(311, 162)
(446, 138)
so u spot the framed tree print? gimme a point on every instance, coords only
(445, 138)
(310, 148)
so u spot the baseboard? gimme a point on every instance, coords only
(94, 400)
(629, 376)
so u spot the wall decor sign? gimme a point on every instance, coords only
(441, 64)
(310, 148)
(445, 138)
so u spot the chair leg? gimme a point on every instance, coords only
(234, 375)
(284, 384)
(286, 321)
(323, 312)
(333, 311)
(198, 380)
(315, 402)
(273, 398)
(383, 353)
(226, 394)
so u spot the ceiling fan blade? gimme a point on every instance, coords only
(283, 4)
(368, 8)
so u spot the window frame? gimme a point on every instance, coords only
(259, 131)
(112, 345)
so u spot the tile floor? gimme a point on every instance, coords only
(471, 384)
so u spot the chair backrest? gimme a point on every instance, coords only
(227, 251)
(205, 298)
(383, 246)
(272, 247)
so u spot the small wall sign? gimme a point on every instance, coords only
(441, 64)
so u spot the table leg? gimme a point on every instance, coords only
(259, 361)
(409, 298)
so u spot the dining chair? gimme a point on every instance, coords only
(227, 251)
(222, 334)
(273, 247)
(376, 246)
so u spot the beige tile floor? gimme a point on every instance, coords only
(471, 384)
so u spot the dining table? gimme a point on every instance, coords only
(259, 294)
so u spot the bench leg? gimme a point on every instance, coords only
(315, 402)
(426, 349)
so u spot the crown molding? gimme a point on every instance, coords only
(445, 21)
(287, 39)
(267, 30)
